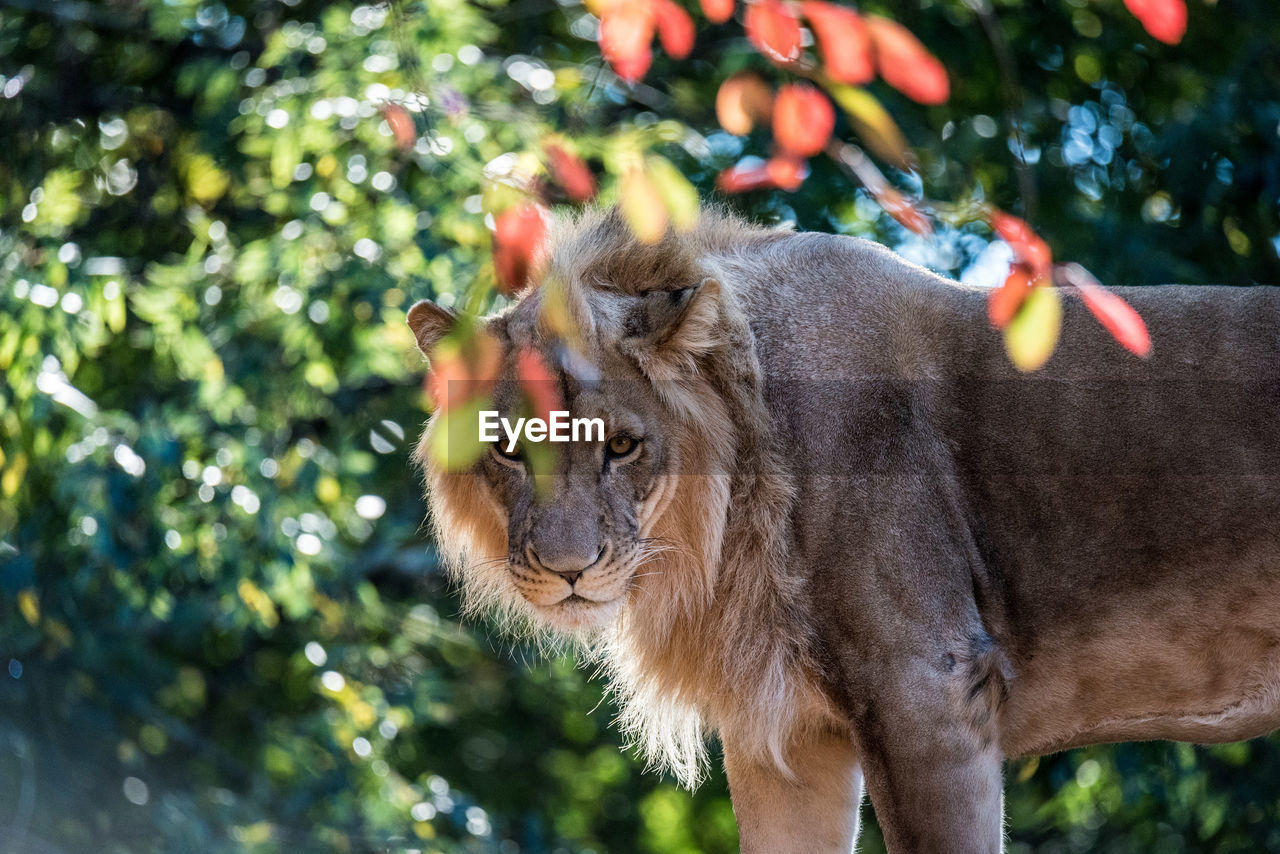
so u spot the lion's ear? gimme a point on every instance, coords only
(430, 323)
(676, 326)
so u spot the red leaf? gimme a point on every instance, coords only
(1165, 20)
(906, 64)
(743, 100)
(773, 30)
(401, 124)
(517, 244)
(739, 178)
(675, 28)
(626, 30)
(571, 174)
(717, 11)
(1003, 302)
(538, 383)
(1028, 248)
(1116, 315)
(786, 172)
(843, 41)
(803, 119)
(904, 211)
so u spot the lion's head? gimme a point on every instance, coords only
(637, 513)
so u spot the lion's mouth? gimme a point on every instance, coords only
(578, 613)
(575, 599)
(578, 598)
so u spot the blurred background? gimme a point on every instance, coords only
(222, 624)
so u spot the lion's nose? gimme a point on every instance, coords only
(569, 564)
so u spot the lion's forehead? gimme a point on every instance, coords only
(587, 368)
(593, 314)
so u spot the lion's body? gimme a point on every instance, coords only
(1117, 519)
(907, 559)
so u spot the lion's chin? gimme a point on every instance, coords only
(576, 615)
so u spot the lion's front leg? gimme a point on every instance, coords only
(935, 785)
(815, 813)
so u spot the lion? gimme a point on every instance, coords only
(833, 526)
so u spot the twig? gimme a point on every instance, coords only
(1013, 100)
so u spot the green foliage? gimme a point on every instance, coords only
(222, 624)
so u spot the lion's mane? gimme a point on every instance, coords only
(712, 638)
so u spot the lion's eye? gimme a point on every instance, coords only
(500, 448)
(620, 446)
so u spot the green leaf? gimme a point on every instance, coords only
(871, 122)
(643, 206)
(455, 438)
(1033, 333)
(679, 197)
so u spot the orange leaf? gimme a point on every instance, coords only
(740, 178)
(632, 68)
(1027, 246)
(1116, 315)
(717, 11)
(675, 28)
(741, 101)
(1165, 20)
(843, 41)
(786, 172)
(571, 174)
(538, 383)
(773, 30)
(517, 244)
(803, 119)
(1003, 302)
(904, 211)
(446, 372)
(461, 370)
(401, 124)
(626, 30)
(906, 64)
